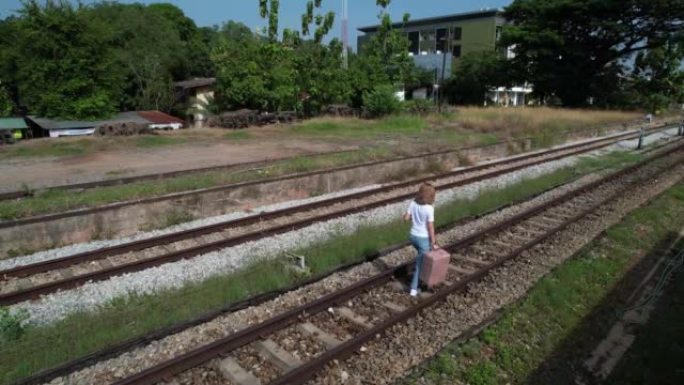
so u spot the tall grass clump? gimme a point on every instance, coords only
(381, 101)
(545, 126)
(81, 334)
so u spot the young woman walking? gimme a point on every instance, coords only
(421, 213)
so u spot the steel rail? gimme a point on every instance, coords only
(41, 267)
(33, 292)
(18, 194)
(113, 206)
(309, 369)
(47, 375)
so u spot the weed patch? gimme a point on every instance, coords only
(238, 135)
(518, 347)
(10, 326)
(125, 318)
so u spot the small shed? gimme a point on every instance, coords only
(196, 94)
(160, 121)
(59, 128)
(12, 129)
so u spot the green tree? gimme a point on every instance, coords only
(195, 42)
(236, 31)
(320, 77)
(66, 64)
(381, 101)
(149, 51)
(659, 78)
(575, 49)
(296, 73)
(6, 104)
(255, 75)
(269, 9)
(384, 58)
(323, 23)
(475, 74)
(8, 55)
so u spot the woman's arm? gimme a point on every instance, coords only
(431, 232)
(407, 217)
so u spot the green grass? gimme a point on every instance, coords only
(47, 148)
(70, 147)
(150, 141)
(238, 135)
(81, 334)
(656, 355)
(359, 128)
(514, 349)
(56, 200)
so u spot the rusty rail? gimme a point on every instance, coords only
(113, 206)
(18, 194)
(78, 280)
(309, 369)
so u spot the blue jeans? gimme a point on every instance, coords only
(422, 245)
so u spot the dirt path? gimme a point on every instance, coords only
(111, 164)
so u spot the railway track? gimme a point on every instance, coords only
(20, 194)
(33, 280)
(294, 346)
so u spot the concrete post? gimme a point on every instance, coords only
(641, 138)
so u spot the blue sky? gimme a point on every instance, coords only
(361, 12)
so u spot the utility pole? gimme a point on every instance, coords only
(345, 34)
(446, 48)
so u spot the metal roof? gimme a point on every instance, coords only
(158, 117)
(438, 20)
(195, 83)
(142, 117)
(12, 123)
(49, 124)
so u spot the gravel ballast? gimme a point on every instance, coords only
(433, 330)
(66, 251)
(91, 296)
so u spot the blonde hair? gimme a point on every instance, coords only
(426, 194)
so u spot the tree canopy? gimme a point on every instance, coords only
(74, 61)
(87, 62)
(578, 49)
(475, 74)
(61, 58)
(6, 104)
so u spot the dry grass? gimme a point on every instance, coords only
(545, 126)
(516, 121)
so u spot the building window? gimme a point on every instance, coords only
(457, 51)
(442, 43)
(427, 42)
(414, 39)
(456, 33)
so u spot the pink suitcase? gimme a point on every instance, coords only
(435, 267)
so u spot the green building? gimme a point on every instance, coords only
(467, 32)
(12, 129)
(437, 43)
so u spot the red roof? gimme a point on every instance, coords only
(157, 117)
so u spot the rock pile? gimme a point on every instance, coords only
(123, 129)
(244, 118)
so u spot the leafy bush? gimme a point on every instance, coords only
(381, 101)
(418, 106)
(10, 325)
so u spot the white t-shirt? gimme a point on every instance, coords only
(420, 216)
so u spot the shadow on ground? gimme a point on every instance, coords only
(564, 364)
